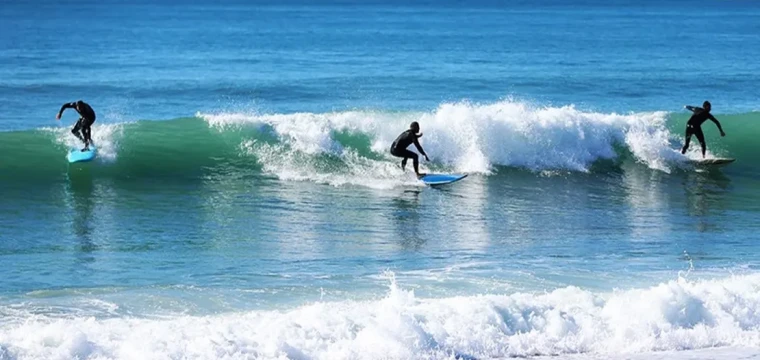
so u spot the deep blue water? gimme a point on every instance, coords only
(166, 60)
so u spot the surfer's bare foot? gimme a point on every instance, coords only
(420, 175)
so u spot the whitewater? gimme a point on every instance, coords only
(673, 316)
(475, 138)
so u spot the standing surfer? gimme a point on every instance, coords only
(86, 118)
(398, 149)
(694, 125)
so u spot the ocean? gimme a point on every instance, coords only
(243, 204)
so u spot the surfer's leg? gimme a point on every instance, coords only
(402, 155)
(87, 137)
(688, 139)
(87, 132)
(416, 162)
(76, 129)
(407, 154)
(701, 137)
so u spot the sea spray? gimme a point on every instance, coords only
(473, 138)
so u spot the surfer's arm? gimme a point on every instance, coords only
(718, 124)
(691, 108)
(419, 148)
(65, 106)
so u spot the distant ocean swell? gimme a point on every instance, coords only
(336, 147)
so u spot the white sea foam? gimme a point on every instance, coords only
(721, 315)
(105, 137)
(464, 137)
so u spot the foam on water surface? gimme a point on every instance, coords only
(677, 316)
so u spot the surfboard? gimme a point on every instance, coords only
(712, 162)
(440, 179)
(77, 155)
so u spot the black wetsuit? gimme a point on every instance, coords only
(694, 127)
(399, 149)
(402, 142)
(86, 119)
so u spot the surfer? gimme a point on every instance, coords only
(694, 126)
(86, 118)
(403, 141)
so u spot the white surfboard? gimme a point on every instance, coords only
(712, 161)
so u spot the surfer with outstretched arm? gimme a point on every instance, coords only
(694, 125)
(403, 141)
(86, 118)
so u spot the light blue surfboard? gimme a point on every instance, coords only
(77, 155)
(440, 179)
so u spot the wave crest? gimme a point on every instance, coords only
(475, 138)
(353, 146)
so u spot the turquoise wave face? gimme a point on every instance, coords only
(460, 137)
